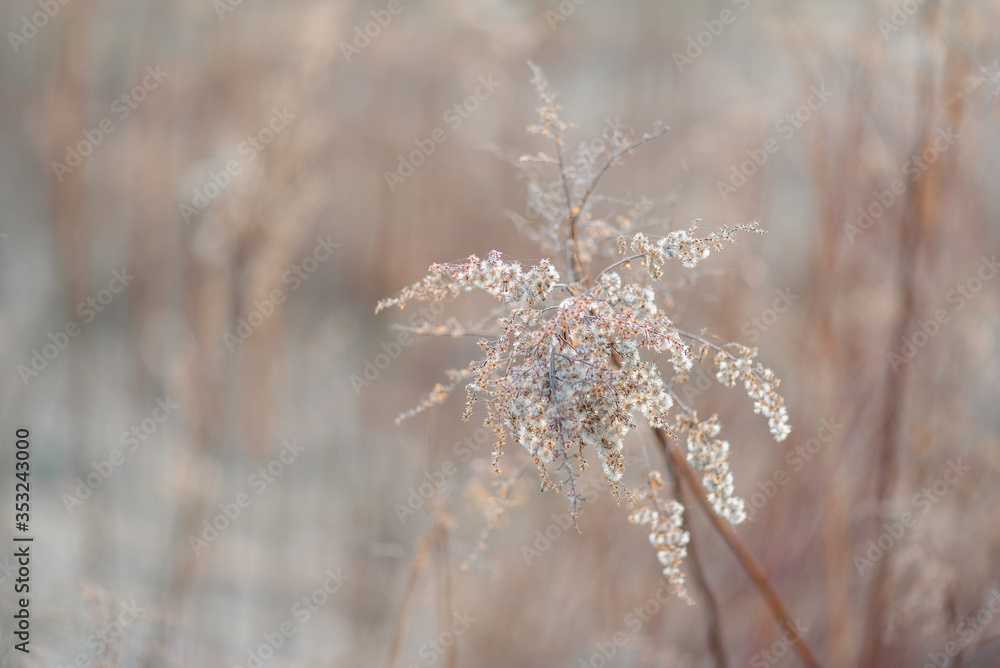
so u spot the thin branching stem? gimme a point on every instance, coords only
(618, 264)
(613, 159)
(571, 254)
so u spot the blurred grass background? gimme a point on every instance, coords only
(323, 177)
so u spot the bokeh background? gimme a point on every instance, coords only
(310, 218)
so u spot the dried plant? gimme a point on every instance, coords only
(568, 363)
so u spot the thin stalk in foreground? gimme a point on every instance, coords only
(679, 463)
(715, 644)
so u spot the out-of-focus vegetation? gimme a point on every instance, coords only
(188, 326)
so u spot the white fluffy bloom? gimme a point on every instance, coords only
(680, 244)
(667, 536)
(506, 281)
(760, 385)
(510, 284)
(710, 455)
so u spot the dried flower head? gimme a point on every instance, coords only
(569, 362)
